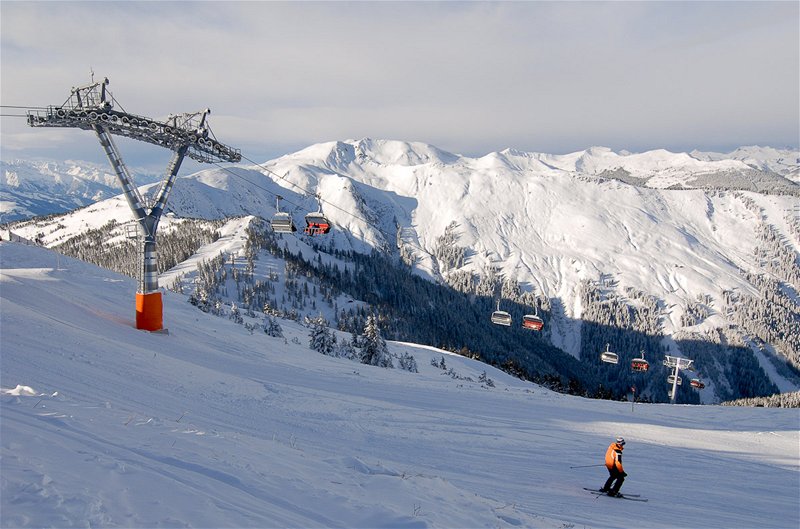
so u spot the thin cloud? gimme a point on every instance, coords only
(469, 77)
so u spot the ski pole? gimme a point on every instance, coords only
(587, 466)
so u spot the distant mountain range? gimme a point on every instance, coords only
(33, 188)
(708, 243)
(784, 162)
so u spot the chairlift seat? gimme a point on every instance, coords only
(317, 224)
(640, 364)
(697, 383)
(609, 357)
(501, 317)
(671, 380)
(529, 321)
(282, 223)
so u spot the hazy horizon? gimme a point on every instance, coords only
(469, 77)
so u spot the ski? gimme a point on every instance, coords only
(630, 497)
(595, 491)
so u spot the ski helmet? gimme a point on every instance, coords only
(620, 441)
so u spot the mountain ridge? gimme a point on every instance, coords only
(43, 187)
(525, 217)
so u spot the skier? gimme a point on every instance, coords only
(614, 466)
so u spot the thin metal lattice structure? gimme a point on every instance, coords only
(91, 107)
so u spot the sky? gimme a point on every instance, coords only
(469, 77)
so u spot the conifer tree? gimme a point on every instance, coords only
(345, 349)
(321, 339)
(373, 347)
(272, 327)
(235, 314)
(408, 362)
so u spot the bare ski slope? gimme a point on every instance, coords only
(209, 426)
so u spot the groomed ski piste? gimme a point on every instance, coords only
(103, 425)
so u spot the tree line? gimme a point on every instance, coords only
(455, 315)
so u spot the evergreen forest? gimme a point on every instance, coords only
(454, 314)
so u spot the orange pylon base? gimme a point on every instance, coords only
(149, 312)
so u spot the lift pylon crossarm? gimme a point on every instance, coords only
(201, 146)
(92, 106)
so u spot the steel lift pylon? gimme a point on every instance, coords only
(677, 363)
(91, 107)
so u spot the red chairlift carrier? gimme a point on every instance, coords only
(533, 322)
(697, 383)
(316, 222)
(640, 364)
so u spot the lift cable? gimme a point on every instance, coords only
(261, 166)
(26, 107)
(4, 115)
(297, 206)
(306, 191)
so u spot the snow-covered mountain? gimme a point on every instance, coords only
(690, 234)
(785, 162)
(33, 188)
(214, 426)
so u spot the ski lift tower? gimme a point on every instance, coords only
(677, 363)
(91, 107)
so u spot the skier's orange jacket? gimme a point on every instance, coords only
(614, 457)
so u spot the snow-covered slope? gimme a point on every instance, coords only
(32, 188)
(548, 221)
(211, 426)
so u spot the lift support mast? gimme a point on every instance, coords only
(91, 107)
